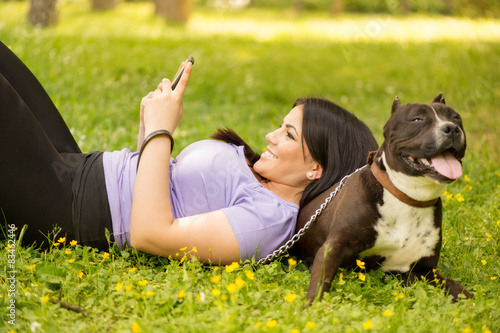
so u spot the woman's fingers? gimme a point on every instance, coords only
(181, 87)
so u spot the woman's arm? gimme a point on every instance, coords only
(153, 228)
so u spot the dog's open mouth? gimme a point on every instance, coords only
(446, 164)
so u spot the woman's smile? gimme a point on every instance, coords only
(269, 154)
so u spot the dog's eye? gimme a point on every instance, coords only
(416, 119)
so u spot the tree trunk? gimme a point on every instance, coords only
(405, 7)
(103, 4)
(174, 10)
(43, 12)
(448, 7)
(337, 7)
(299, 5)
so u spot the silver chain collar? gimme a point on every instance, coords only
(285, 247)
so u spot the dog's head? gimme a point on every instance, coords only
(425, 140)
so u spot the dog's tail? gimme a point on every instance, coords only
(229, 136)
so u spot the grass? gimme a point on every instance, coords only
(97, 67)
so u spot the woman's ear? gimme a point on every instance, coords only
(315, 172)
(318, 171)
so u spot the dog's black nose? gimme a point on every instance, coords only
(450, 129)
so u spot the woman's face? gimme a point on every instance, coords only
(286, 160)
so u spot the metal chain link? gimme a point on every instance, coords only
(285, 247)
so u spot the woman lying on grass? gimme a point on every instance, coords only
(220, 197)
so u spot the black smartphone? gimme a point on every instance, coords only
(178, 75)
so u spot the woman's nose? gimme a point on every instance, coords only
(271, 137)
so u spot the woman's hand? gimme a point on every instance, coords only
(162, 108)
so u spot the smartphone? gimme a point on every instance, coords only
(178, 75)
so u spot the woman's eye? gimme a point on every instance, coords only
(290, 135)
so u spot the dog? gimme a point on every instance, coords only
(389, 213)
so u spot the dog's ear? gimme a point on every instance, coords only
(396, 104)
(439, 99)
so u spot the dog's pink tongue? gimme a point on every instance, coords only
(447, 165)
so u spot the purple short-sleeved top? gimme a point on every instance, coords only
(207, 176)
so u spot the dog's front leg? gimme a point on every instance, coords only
(323, 270)
(435, 278)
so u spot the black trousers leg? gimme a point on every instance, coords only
(37, 100)
(34, 190)
(44, 179)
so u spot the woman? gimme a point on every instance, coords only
(221, 198)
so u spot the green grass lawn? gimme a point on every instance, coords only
(250, 67)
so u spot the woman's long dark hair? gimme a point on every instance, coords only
(336, 139)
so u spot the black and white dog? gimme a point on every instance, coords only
(389, 213)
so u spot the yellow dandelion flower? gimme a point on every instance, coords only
(73, 242)
(57, 244)
(79, 274)
(459, 197)
(135, 328)
(215, 279)
(200, 297)
(498, 223)
(68, 252)
(128, 287)
(240, 283)
(195, 250)
(362, 277)
(368, 325)
(232, 267)
(231, 288)
(289, 297)
(493, 277)
(142, 283)
(72, 260)
(335, 320)
(387, 313)
(216, 292)
(62, 240)
(485, 330)
(310, 324)
(484, 262)
(11, 331)
(133, 269)
(7, 247)
(360, 264)
(341, 277)
(119, 286)
(105, 255)
(271, 323)
(294, 330)
(182, 259)
(44, 299)
(466, 178)
(181, 294)
(30, 267)
(183, 248)
(250, 275)
(490, 238)
(401, 296)
(292, 262)
(150, 293)
(467, 330)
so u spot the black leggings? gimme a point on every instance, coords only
(45, 180)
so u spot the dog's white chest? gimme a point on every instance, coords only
(405, 234)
